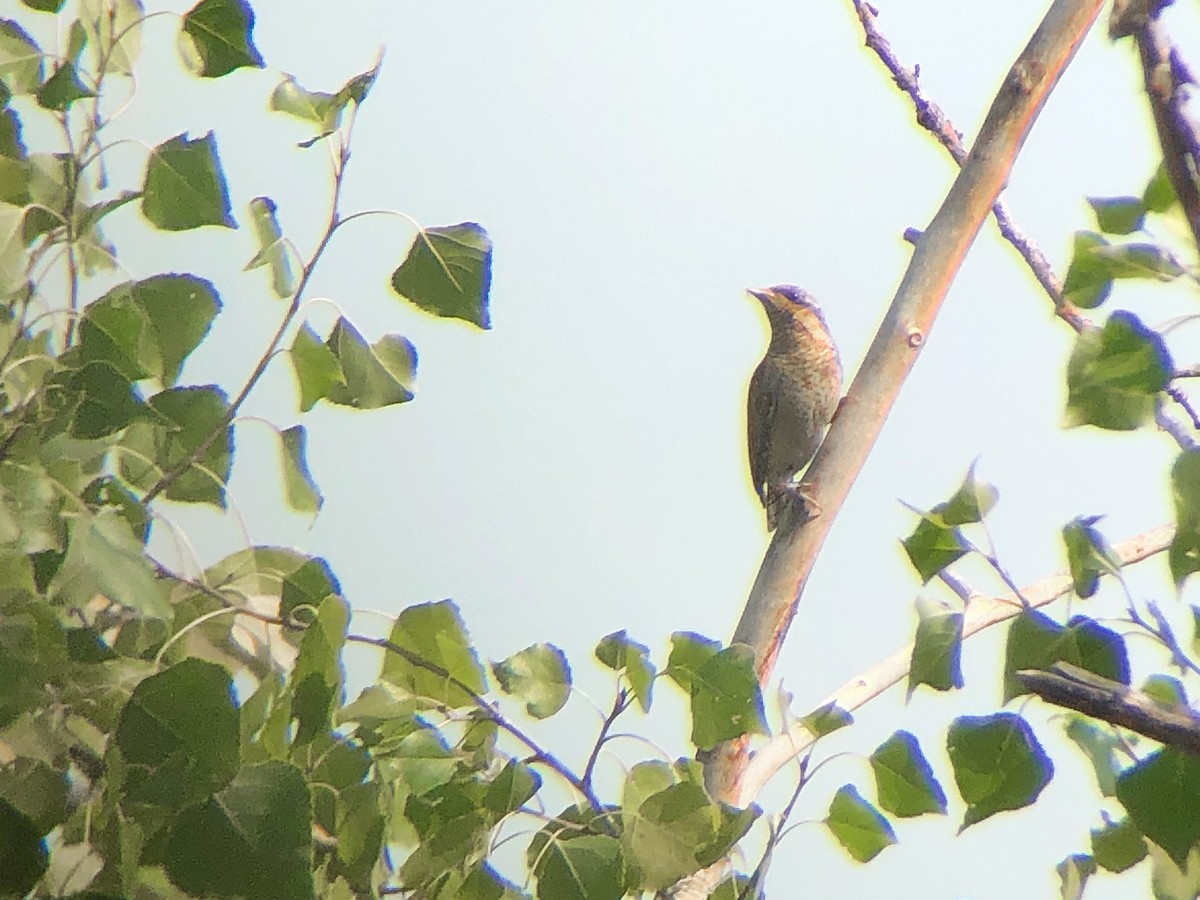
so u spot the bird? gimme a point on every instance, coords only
(793, 396)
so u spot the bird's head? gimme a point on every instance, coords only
(790, 309)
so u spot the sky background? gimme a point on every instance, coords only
(580, 468)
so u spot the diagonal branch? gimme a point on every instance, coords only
(931, 117)
(939, 253)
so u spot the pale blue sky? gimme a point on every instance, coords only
(580, 468)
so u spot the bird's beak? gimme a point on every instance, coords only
(762, 296)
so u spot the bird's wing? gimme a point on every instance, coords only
(760, 410)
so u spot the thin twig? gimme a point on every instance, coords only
(931, 117)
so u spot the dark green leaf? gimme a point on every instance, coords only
(434, 633)
(102, 400)
(37, 789)
(1160, 794)
(221, 41)
(1184, 553)
(588, 867)
(62, 89)
(937, 650)
(375, 376)
(448, 272)
(1116, 373)
(253, 839)
(1118, 215)
(20, 59)
(24, 853)
(1036, 641)
(539, 675)
(1118, 846)
(30, 509)
(903, 778)
(1088, 555)
(316, 680)
(181, 309)
(619, 652)
(932, 546)
(1139, 261)
(178, 735)
(272, 248)
(44, 5)
(858, 826)
(185, 185)
(299, 487)
(998, 764)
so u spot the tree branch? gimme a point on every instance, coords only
(1118, 704)
(939, 253)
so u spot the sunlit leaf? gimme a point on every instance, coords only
(1116, 373)
(185, 185)
(448, 272)
(998, 764)
(220, 32)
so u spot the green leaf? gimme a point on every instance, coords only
(858, 826)
(1118, 846)
(1140, 261)
(1159, 195)
(1115, 374)
(37, 789)
(191, 416)
(101, 399)
(220, 38)
(316, 107)
(998, 764)
(511, 789)
(689, 651)
(181, 309)
(621, 653)
(105, 557)
(448, 272)
(1089, 280)
(726, 698)
(588, 867)
(434, 633)
(178, 735)
(904, 779)
(932, 546)
(316, 680)
(253, 839)
(1184, 552)
(20, 59)
(1118, 215)
(316, 367)
(1088, 555)
(14, 260)
(30, 509)
(185, 185)
(1035, 641)
(937, 650)
(114, 33)
(1167, 692)
(539, 675)
(827, 719)
(375, 376)
(44, 5)
(1160, 793)
(299, 487)
(272, 248)
(1073, 874)
(972, 501)
(25, 856)
(1099, 744)
(62, 89)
